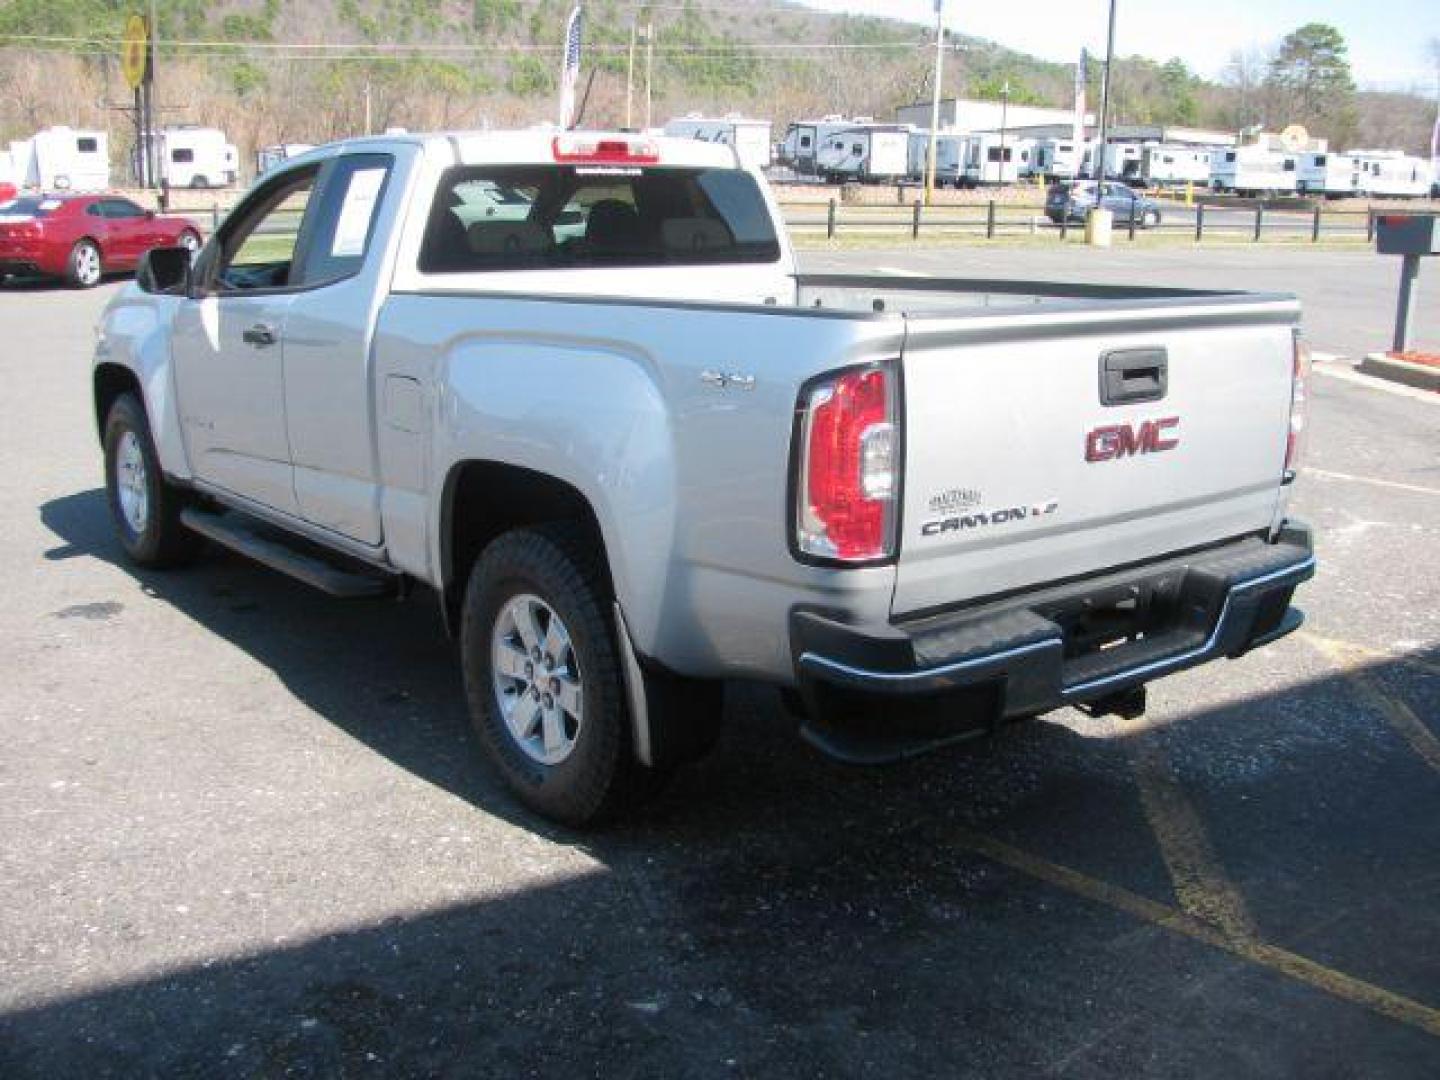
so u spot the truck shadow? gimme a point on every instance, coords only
(777, 914)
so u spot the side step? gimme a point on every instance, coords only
(301, 560)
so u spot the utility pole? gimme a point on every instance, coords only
(1105, 96)
(1004, 118)
(152, 144)
(630, 81)
(935, 101)
(649, 33)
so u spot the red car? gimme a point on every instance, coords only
(83, 237)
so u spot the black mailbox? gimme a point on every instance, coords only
(1407, 234)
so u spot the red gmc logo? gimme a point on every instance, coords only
(1127, 440)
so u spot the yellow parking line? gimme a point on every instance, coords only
(1377, 655)
(1203, 888)
(1301, 969)
(1349, 658)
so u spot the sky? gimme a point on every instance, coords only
(1388, 39)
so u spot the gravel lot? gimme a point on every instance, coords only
(246, 831)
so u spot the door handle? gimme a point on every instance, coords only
(260, 335)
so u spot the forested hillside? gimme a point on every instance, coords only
(308, 70)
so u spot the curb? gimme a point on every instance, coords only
(1420, 376)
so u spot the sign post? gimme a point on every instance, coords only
(136, 66)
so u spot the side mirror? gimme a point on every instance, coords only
(165, 270)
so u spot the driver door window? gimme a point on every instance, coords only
(261, 246)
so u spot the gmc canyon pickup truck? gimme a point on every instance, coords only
(574, 384)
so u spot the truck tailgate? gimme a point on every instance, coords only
(1018, 473)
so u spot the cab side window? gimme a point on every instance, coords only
(345, 212)
(258, 243)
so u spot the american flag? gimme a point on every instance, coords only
(570, 73)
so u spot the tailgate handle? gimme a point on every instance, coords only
(1131, 375)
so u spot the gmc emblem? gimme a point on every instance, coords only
(1126, 440)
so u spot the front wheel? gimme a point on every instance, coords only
(543, 677)
(144, 508)
(84, 268)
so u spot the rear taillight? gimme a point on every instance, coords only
(1299, 405)
(849, 460)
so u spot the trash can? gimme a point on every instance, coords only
(1097, 227)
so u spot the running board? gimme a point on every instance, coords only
(262, 543)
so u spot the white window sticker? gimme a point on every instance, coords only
(357, 212)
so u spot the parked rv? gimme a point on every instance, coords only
(1252, 170)
(949, 158)
(804, 138)
(1056, 159)
(196, 157)
(988, 162)
(1328, 174)
(750, 138)
(867, 154)
(270, 156)
(1392, 174)
(62, 159)
(1162, 164)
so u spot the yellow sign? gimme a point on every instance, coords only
(134, 50)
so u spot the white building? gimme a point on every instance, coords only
(968, 114)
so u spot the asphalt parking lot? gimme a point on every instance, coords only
(246, 831)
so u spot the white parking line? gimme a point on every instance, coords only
(1396, 485)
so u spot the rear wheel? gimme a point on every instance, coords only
(543, 677)
(84, 268)
(144, 508)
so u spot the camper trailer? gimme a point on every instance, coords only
(1056, 159)
(270, 156)
(1392, 174)
(867, 154)
(63, 159)
(804, 138)
(988, 162)
(1252, 170)
(1162, 164)
(949, 158)
(1319, 172)
(196, 157)
(750, 138)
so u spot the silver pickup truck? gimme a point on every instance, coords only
(574, 384)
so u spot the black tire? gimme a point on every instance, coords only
(162, 541)
(84, 269)
(199, 182)
(601, 776)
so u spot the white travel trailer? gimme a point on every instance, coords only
(988, 162)
(750, 138)
(866, 154)
(1252, 170)
(1163, 164)
(1123, 161)
(804, 138)
(63, 159)
(196, 157)
(1056, 159)
(1392, 174)
(949, 157)
(270, 156)
(1319, 172)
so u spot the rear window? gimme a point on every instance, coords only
(29, 206)
(529, 217)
